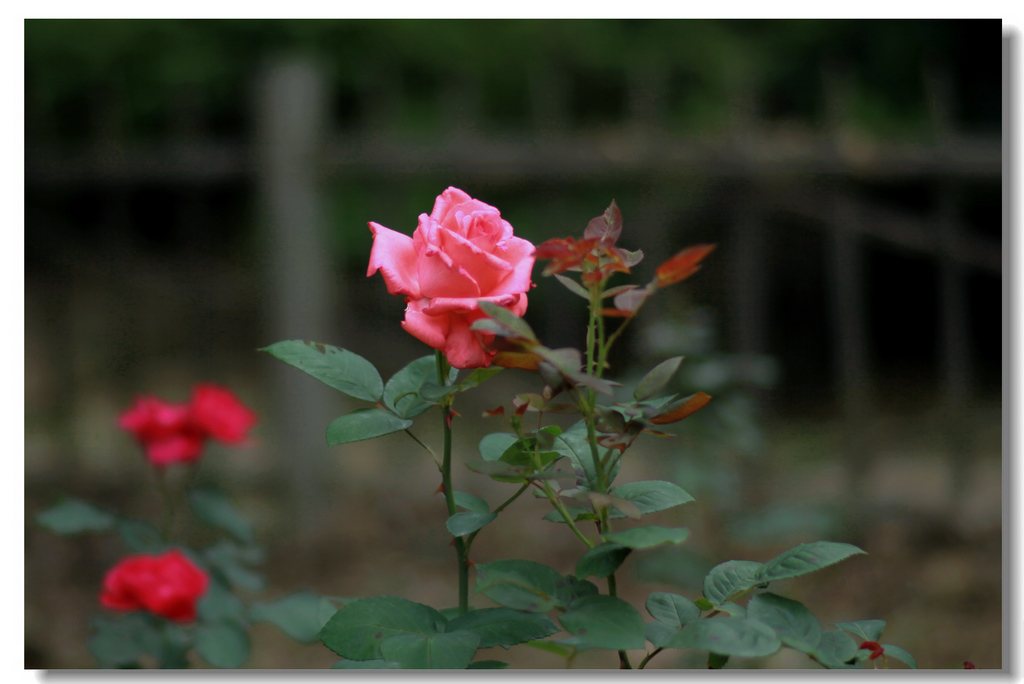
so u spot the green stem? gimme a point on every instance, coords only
(556, 502)
(499, 509)
(169, 503)
(595, 309)
(172, 499)
(607, 345)
(446, 480)
(425, 446)
(643, 663)
(564, 512)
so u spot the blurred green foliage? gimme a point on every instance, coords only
(152, 66)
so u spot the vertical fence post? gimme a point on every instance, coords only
(846, 275)
(955, 349)
(954, 346)
(291, 117)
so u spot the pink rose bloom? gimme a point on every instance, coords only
(463, 252)
(167, 584)
(219, 413)
(166, 431)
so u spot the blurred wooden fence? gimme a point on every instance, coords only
(294, 150)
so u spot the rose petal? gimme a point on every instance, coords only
(439, 275)
(168, 585)
(441, 305)
(519, 307)
(151, 418)
(487, 269)
(519, 253)
(394, 254)
(430, 330)
(481, 225)
(220, 413)
(181, 448)
(464, 348)
(446, 201)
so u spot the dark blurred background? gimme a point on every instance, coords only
(195, 190)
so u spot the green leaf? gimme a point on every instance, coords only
(795, 625)
(729, 578)
(219, 604)
(509, 320)
(731, 636)
(602, 560)
(73, 516)
(521, 585)
(648, 536)
(577, 514)
(172, 647)
(806, 558)
(625, 508)
(504, 472)
(495, 444)
(140, 536)
(148, 630)
(573, 286)
(468, 522)
(899, 654)
(489, 325)
(703, 604)
(734, 609)
(478, 377)
(487, 665)
(604, 622)
(868, 630)
(215, 509)
(651, 496)
(229, 560)
(672, 608)
(660, 633)
(402, 393)
(364, 424)
(357, 630)
(716, 661)
(375, 664)
(670, 612)
(337, 368)
(503, 626)
(299, 615)
(521, 453)
(222, 644)
(551, 647)
(834, 649)
(573, 444)
(433, 392)
(437, 651)
(470, 502)
(576, 588)
(114, 648)
(657, 378)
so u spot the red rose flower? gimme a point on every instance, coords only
(176, 433)
(166, 431)
(168, 585)
(219, 413)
